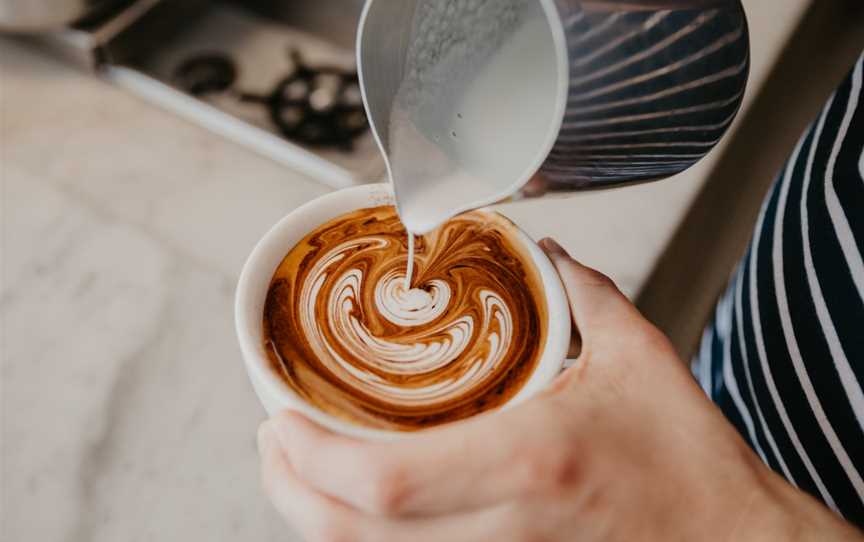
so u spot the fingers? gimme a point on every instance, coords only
(598, 306)
(502, 522)
(319, 517)
(436, 471)
(316, 516)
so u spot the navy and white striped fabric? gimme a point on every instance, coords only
(784, 357)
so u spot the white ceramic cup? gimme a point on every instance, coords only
(254, 282)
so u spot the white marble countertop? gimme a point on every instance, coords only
(126, 413)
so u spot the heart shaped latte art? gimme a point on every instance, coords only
(347, 335)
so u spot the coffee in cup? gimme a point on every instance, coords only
(346, 334)
(328, 327)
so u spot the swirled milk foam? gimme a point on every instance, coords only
(347, 336)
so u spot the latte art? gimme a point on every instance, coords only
(348, 336)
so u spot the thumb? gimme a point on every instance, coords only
(598, 307)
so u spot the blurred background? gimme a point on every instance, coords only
(146, 145)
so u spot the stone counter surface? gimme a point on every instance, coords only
(126, 412)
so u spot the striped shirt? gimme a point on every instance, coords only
(784, 355)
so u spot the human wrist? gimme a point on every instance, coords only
(784, 512)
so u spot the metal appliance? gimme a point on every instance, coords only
(277, 77)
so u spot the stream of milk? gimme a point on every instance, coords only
(472, 118)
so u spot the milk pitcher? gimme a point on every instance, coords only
(591, 94)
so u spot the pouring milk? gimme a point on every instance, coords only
(470, 108)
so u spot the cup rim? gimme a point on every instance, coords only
(309, 216)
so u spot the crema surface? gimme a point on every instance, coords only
(347, 336)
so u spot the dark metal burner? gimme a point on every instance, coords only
(316, 105)
(205, 74)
